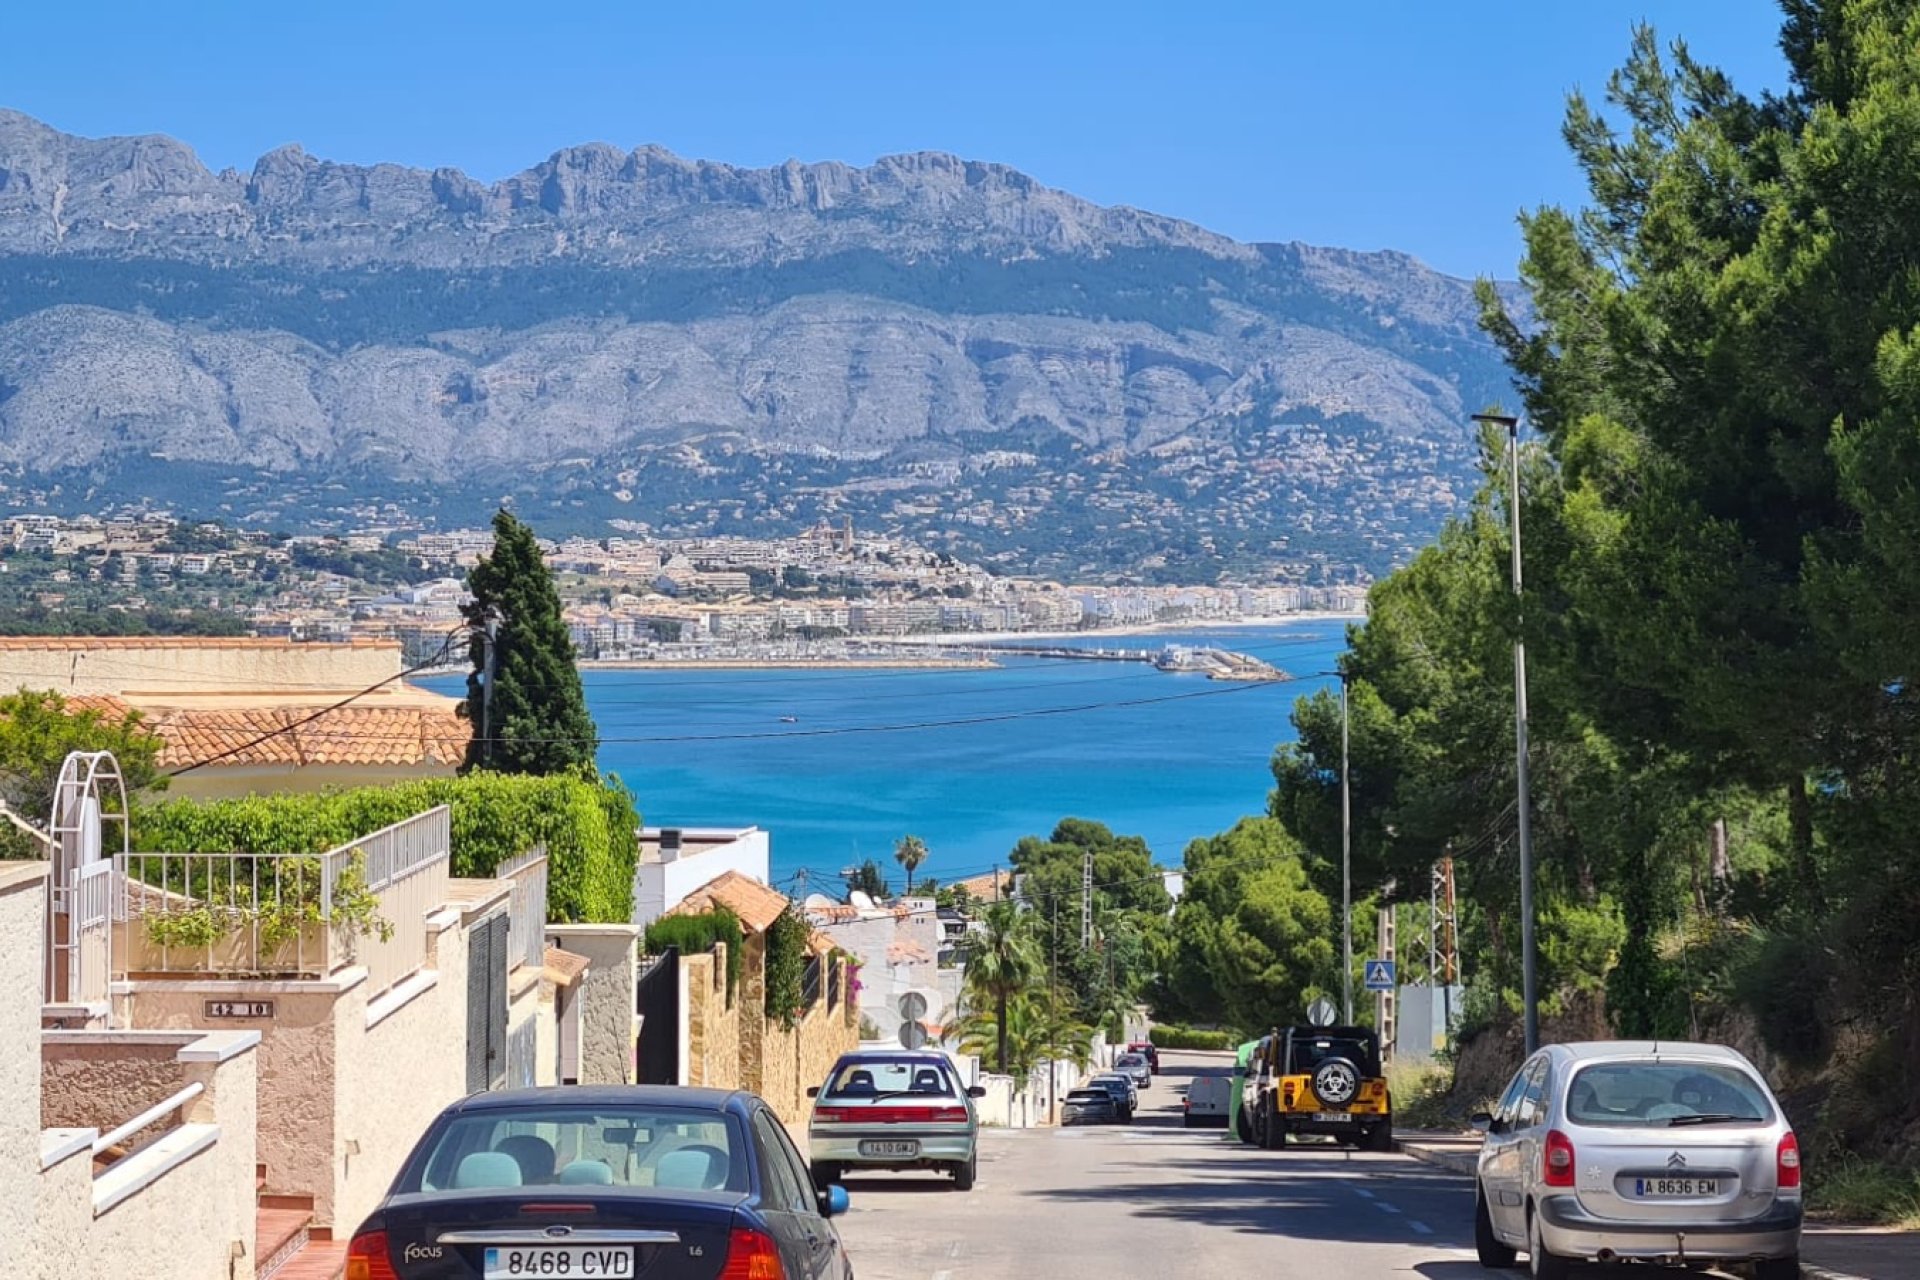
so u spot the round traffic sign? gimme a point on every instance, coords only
(1321, 1012)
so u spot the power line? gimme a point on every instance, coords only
(309, 719)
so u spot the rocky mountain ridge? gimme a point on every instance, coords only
(611, 314)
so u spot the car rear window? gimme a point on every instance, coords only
(1088, 1095)
(1666, 1093)
(1130, 1060)
(632, 1146)
(1309, 1054)
(872, 1077)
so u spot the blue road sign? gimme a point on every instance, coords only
(1379, 974)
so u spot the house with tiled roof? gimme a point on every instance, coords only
(241, 715)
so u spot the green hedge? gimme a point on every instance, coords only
(696, 935)
(587, 824)
(1188, 1038)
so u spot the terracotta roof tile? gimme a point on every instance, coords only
(63, 644)
(820, 944)
(756, 905)
(982, 888)
(564, 967)
(346, 736)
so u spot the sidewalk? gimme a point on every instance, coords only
(1828, 1251)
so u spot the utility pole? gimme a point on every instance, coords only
(487, 668)
(1529, 979)
(1346, 865)
(1086, 901)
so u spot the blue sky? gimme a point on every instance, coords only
(1420, 125)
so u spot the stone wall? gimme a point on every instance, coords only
(741, 1048)
(713, 1026)
(607, 1022)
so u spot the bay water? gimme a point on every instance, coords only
(838, 764)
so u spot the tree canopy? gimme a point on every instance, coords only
(539, 718)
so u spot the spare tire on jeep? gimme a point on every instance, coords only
(1336, 1082)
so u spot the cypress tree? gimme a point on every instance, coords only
(539, 721)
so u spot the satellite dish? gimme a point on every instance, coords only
(912, 1035)
(1321, 1012)
(913, 1007)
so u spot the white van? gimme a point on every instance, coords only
(1206, 1102)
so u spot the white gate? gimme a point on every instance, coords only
(88, 796)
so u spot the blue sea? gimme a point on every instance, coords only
(968, 760)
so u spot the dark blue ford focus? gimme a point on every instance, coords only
(612, 1183)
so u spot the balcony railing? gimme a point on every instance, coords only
(286, 915)
(527, 914)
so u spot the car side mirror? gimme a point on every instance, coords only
(833, 1201)
(813, 1091)
(977, 1091)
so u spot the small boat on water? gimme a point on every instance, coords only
(789, 719)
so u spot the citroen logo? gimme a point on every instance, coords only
(1676, 1161)
(557, 1232)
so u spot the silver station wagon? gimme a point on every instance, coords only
(1661, 1152)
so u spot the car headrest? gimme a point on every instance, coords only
(693, 1168)
(587, 1173)
(533, 1154)
(487, 1169)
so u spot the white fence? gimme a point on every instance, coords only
(285, 914)
(527, 914)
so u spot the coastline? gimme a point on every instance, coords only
(958, 639)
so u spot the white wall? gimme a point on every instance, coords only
(659, 887)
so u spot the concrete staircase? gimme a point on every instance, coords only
(287, 1244)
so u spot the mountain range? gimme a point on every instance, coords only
(941, 347)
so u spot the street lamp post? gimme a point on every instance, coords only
(1530, 994)
(1346, 866)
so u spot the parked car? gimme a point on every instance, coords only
(1135, 1067)
(894, 1109)
(1089, 1106)
(1149, 1050)
(603, 1181)
(1206, 1101)
(1631, 1150)
(1125, 1096)
(1326, 1081)
(1252, 1060)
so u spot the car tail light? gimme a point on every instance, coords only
(835, 1115)
(1289, 1095)
(752, 1255)
(948, 1115)
(1787, 1162)
(367, 1258)
(1559, 1160)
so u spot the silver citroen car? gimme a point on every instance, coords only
(1660, 1152)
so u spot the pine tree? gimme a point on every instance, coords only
(538, 719)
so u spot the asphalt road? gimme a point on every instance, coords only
(1156, 1201)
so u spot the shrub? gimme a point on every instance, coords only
(587, 824)
(697, 935)
(1188, 1038)
(787, 967)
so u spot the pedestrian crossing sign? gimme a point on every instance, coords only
(1379, 975)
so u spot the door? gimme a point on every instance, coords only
(807, 1244)
(1502, 1169)
(656, 998)
(487, 1004)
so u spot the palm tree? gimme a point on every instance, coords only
(910, 853)
(1003, 960)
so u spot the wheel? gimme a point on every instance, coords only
(1243, 1125)
(1542, 1265)
(1777, 1268)
(1272, 1135)
(825, 1175)
(1186, 1122)
(1493, 1254)
(963, 1175)
(1380, 1137)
